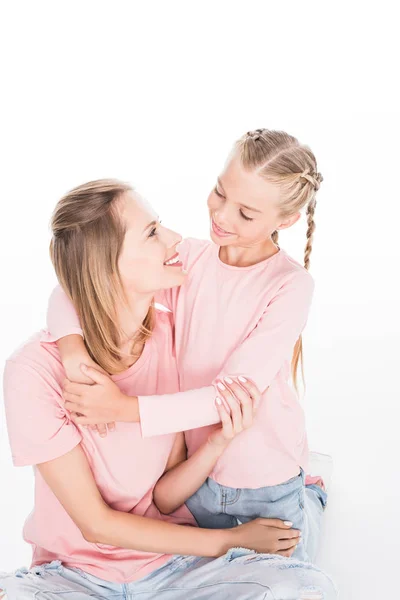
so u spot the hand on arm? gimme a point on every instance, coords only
(101, 402)
(81, 370)
(236, 406)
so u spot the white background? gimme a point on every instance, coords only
(156, 93)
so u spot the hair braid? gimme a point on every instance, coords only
(310, 231)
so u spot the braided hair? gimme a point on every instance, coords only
(282, 160)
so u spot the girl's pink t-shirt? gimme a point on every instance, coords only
(125, 465)
(229, 321)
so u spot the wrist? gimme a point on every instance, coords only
(217, 448)
(128, 409)
(222, 541)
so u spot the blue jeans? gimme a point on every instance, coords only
(241, 574)
(216, 506)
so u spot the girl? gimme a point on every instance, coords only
(95, 530)
(239, 314)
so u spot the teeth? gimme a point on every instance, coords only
(173, 261)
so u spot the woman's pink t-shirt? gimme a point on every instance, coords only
(125, 465)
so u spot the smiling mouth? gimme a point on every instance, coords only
(173, 261)
(218, 230)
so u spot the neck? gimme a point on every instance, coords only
(242, 256)
(130, 320)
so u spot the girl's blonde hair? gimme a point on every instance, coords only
(88, 234)
(281, 159)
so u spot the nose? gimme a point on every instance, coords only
(171, 237)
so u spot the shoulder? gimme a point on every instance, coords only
(34, 363)
(289, 271)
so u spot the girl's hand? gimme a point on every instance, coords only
(236, 406)
(271, 536)
(72, 365)
(99, 403)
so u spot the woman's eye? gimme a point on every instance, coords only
(217, 192)
(244, 216)
(153, 232)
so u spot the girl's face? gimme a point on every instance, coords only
(149, 260)
(243, 207)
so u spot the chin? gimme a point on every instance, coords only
(175, 281)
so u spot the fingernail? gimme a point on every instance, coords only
(218, 400)
(242, 379)
(288, 523)
(221, 386)
(84, 367)
(228, 380)
(103, 435)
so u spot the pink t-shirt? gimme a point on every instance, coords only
(125, 465)
(230, 321)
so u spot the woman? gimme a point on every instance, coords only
(95, 529)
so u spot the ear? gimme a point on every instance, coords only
(289, 221)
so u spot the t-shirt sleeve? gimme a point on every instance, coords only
(39, 429)
(259, 358)
(62, 319)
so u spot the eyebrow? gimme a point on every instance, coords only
(243, 205)
(152, 224)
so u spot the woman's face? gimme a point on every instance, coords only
(243, 207)
(149, 260)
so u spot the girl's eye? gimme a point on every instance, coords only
(217, 192)
(244, 216)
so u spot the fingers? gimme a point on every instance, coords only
(75, 388)
(233, 406)
(246, 401)
(82, 420)
(73, 407)
(102, 429)
(247, 394)
(251, 389)
(94, 374)
(277, 523)
(227, 426)
(287, 547)
(287, 553)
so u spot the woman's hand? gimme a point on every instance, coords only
(270, 536)
(99, 403)
(236, 405)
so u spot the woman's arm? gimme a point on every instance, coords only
(41, 434)
(184, 477)
(71, 480)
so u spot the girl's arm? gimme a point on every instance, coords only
(259, 358)
(184, 477)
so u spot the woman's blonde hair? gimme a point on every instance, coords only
(88, 234)
(281, 159)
